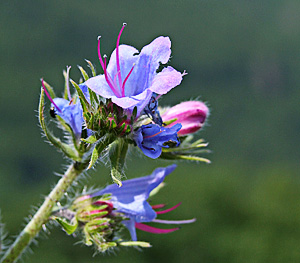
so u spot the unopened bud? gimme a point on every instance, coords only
(191, 115)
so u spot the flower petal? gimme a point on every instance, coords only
(131, 198)
(71, 114)
(159, 50)
(127, 60)
(166, 80)
(99, 85)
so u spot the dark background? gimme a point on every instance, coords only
(243, 59)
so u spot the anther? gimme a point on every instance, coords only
(124, 24)
(98, 38)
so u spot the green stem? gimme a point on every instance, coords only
(42, 215)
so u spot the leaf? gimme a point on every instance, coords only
(83, 73)
(50, 90)
(99, 148)
(84, 103)
(135, 243)
(91, 66)
(117, 155)
(70, 228)
(91, 139)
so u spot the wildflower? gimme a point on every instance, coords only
(151, 138)
(131, 201)
(190, 114)
(69, 111)
(130, 78)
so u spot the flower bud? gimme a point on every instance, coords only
(191, 115)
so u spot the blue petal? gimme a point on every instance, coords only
(99, 85)
(159, 50)
(151, 138)
(130, 224)
(71, 114)
(131, 198)
(166, 80)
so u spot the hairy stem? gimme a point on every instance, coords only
(42, 215)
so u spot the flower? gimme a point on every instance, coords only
(191, 115)
(151, 138)
(130, 78)
(69, 111)
(131, 201)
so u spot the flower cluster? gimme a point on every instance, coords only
(111, 112)
(102, 215)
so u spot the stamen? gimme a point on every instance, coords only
(99, 53)
(108, 78)
(125, 80)
(168, 210)
(67, 82)
(49, 97)
(154, 230)
(150, 136)
(158, 206)
(176, 222)
(118, 57)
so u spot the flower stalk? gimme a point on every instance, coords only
(42, 215)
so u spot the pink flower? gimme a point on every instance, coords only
(191, 115)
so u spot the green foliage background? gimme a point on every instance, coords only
(242, 58)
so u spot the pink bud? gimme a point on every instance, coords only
(191, 115)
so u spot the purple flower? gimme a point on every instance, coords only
(71, 113)
(191, 115)
(130, 78)
(131, 201)
(151, 138)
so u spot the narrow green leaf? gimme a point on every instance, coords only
(70, 228)
(68, 129)
(117, 155)
(93, 98)
(99, 148)
(50, 90)
(193, 158)
(84, 103)
(83, 73)
(91, 139)
(135, 243)
(91, 66)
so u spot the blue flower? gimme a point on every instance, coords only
(151, 138)
(130, 78)
(71, 113)
(131, 201)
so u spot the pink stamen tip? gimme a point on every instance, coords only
(158, 206)
(118, 56)
(168, 210)
(154, 230)
(49, 97)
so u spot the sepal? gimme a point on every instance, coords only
(187, 150)
(135, 244)
(69, 227)
(99, 148)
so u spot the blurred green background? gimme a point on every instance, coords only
(243, 59)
